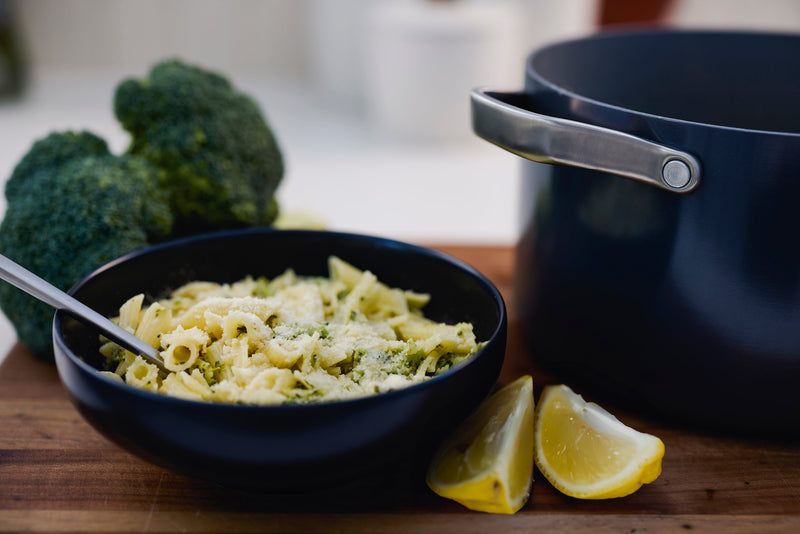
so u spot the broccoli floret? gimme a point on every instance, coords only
(202, 157)
(73, 206)
(221, 160)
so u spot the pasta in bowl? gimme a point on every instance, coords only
(290, 339)
(298, 439)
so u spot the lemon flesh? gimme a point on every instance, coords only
(487, 463)
(586, 452)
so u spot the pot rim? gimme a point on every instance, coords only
(532, 74)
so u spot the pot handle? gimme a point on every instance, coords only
(548, 139)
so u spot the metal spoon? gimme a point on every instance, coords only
(25, 280)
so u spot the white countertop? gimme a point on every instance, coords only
(338, 168)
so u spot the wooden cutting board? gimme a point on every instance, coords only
(58, 475)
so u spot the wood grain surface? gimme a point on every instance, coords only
(58, 475)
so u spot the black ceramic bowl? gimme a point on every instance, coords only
(281, 448)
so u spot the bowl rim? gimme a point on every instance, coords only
(499, 329)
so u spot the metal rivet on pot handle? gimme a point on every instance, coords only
(548, 139)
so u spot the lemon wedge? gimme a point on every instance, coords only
(487, 463)
(586, 452)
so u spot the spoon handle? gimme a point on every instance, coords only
(27, 281)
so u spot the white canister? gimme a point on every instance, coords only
(422, 57)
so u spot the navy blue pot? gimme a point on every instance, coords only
(659, 260)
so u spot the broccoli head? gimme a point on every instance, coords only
(73, 206)
(222, 163)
